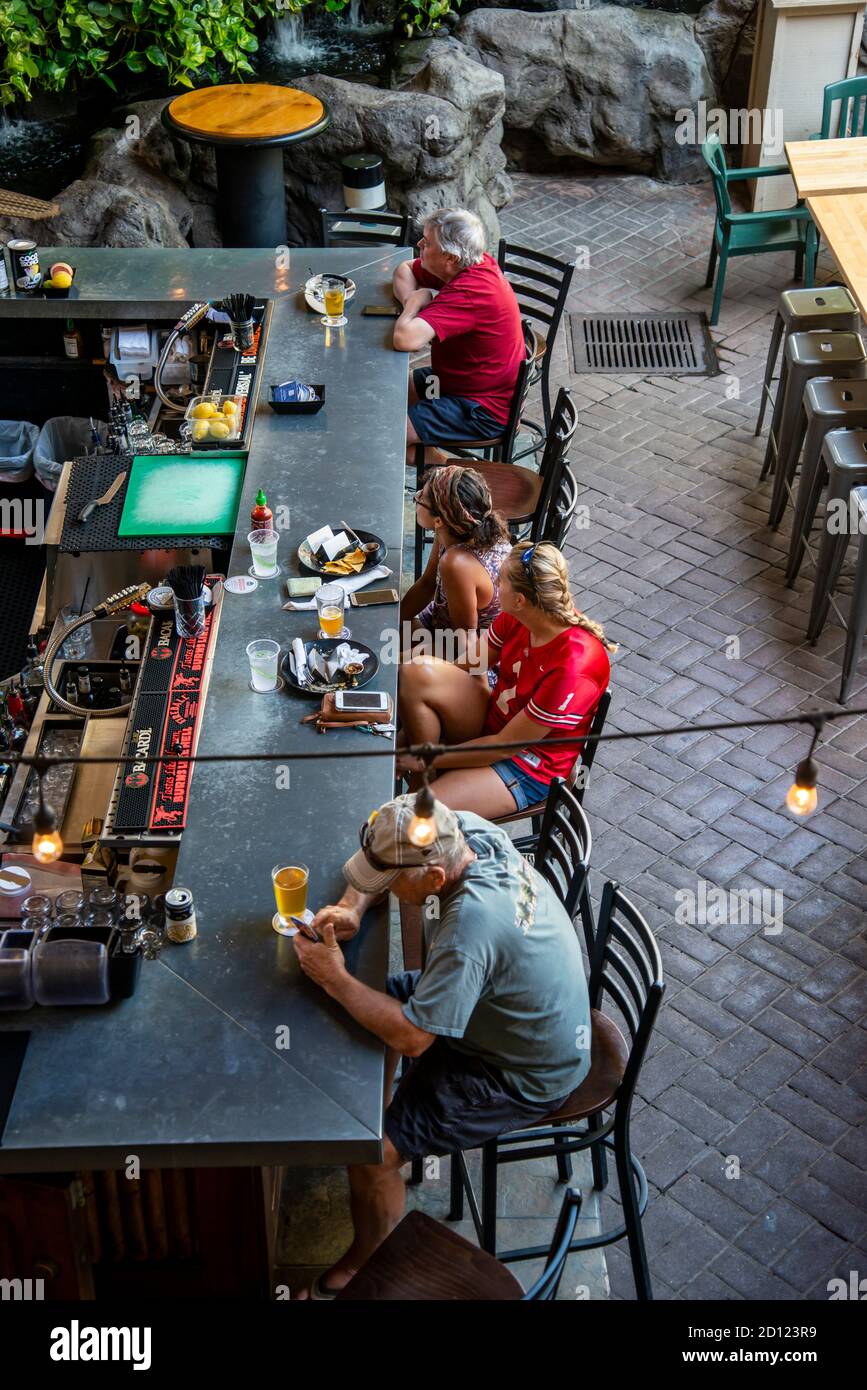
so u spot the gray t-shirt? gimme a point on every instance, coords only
(504, 979)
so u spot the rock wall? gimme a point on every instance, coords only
(599, 86)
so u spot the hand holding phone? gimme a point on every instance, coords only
(306, 928)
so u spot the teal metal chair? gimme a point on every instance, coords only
(750, 233)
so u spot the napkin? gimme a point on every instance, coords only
(299, 662)
(348, 583)
(326, 667)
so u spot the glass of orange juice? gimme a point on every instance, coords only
(334, 298)
(290, 895)
(330, 601)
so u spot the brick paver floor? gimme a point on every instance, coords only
(753, 1098)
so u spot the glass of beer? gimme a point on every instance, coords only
(330, 601)
(290, 895)
(334, 297)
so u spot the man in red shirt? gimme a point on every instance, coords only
(456, 298)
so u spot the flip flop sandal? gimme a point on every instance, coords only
(319, 1293)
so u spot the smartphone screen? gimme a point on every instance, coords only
(360, 700)
(373, 596)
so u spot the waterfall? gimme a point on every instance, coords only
(290, 41)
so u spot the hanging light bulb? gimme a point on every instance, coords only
(802, 798)
(422, 828)
(47, 843)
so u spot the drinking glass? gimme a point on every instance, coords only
(263, 549)
(37, 905)
(334, 297)
(290, 894)
(71, 900)
(263, 656)
(330, 601)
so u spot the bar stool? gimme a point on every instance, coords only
(828, 404)
(844, 454)
(808, 355)
(857, 624)
(830, 307)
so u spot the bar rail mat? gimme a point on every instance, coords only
(90, 477)
(645, 344)
(164, 720)
(12, 1049)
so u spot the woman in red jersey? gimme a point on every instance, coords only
(552, 667)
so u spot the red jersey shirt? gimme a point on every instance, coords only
(477, 315)
(558, 684)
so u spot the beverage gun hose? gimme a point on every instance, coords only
(114, 604)
(235, 310)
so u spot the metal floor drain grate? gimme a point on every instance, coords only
(657, 344)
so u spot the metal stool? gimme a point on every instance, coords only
(830, 307)
(857, 624)
(844, 454)
(808, 355)
(828, 404)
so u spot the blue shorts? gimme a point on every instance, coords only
(449, 417)
(526, 789)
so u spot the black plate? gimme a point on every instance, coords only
(326, 645)
(314, 566)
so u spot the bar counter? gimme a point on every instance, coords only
(227, 1054)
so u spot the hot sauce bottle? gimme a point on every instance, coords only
(261, 516)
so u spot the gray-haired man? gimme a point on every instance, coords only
(456, 298)
(497, 1021)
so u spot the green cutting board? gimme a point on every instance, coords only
(182, 495)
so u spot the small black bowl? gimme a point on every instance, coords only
(298, 407)
(51, 293)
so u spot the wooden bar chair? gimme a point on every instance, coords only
(370, 228)
(626, 967)
(541, 284)
(522, 495)
(423, 1261)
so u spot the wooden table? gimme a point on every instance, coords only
(248, 124)
(842, 221)
(820, 167)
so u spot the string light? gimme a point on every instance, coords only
(47, 843)
(422, 829)
(802, 798)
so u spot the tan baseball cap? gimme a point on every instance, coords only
(387, 849)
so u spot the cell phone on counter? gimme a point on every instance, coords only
(306, 928)
(373, 596)
(360, 701)
(381, 311)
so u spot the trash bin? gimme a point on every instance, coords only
(62, 437)
(17, 442)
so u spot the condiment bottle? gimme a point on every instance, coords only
(261, 516)
(73, 343)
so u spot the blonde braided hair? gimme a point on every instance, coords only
(546, 586)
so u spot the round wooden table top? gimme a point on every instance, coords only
(246, 113)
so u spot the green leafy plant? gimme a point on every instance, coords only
(423, 16)
(54, 45)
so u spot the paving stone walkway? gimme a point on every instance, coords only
(753, 1099)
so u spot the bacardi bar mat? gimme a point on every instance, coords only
(165, 719)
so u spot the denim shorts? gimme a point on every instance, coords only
(449, 1101)
(526, 789)
(449, 417)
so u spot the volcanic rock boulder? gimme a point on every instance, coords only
(439, 136)
(594, 86)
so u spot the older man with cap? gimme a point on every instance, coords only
(498, 1020)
